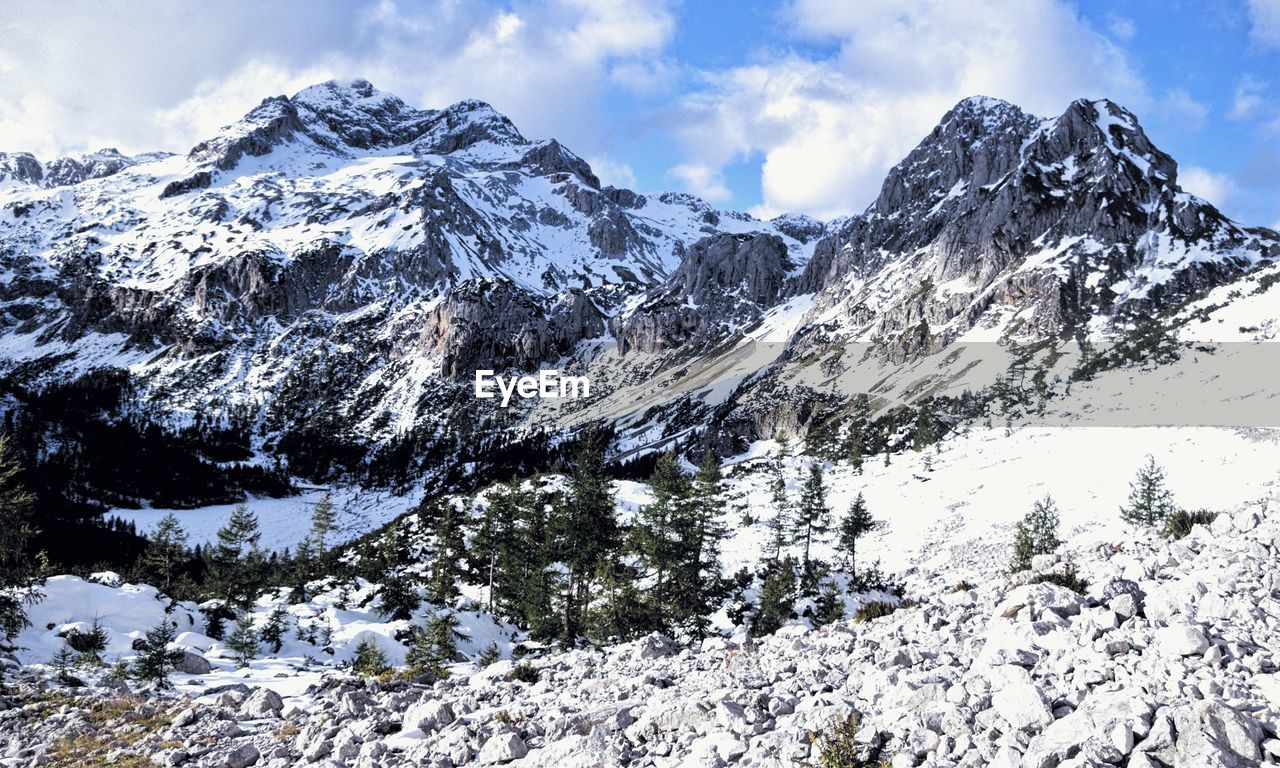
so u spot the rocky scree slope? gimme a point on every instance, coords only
(1170, 658)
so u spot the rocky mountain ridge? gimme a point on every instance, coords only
(343, 250)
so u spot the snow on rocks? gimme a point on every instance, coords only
(1002, 674)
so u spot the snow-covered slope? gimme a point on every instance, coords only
(1167, 657)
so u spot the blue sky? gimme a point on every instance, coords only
(762, 106)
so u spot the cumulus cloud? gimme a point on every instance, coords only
(613, 173)
(829, 127)
(702, 180)
(1217, 188)
(161, 75)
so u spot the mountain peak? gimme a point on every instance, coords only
(358, 115)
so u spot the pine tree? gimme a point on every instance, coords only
(398, 596)
(619, 612)
(323, 519)
(448, 550)
(529, 567)
(17, 533)
(61, 664)
(777, 598)
(314, 547)
(155, 659)
(830, 605)
(698, 584)
(1150, 502)
(925, 430)
(243, 642)
(813, 518)
(166, 551)
(656, 535)
(780, 522)
(857, 523)
(274, 630)
(435, 647)
(370, 660)
(1036, 534)
(587, 531)
(237, 561)
(489, 656)
(492, 541)
(90, 645)
(854, 441)
(215, 625)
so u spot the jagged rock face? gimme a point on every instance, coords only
(723, 282)
(1062, 220)
(414, 245)
(63, 171)
(486, 325)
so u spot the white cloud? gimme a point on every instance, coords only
(829, 128)
(161, 75)
(612, 173)
(1217, 188)
(1264, 19)
(1248, 97)
(703, 181)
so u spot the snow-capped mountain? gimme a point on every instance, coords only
(336, 265)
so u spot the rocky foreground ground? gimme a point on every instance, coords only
(1169, 659)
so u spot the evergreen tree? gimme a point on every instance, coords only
(856, 438)
(237, 560)
(314, 547)
(90, 645)
(274, 630)
(697, 582)
(369, 661)
(830, 605)
(857, 523)
(1036, 534)
(528, 568)
(166, 552)
(489, 655)
(656, 536)
(215, 625)
(780, 522)
(61, 663)
(155, 659)
(587, 531)
(435, 647)
(323, 519)
(813, 518)
(17, 532)
(448, 549)
(619, 612)
(1150, 502)
(398, 596)
(243, 642)
(925, 430)
(492, 542)
(777, 598)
